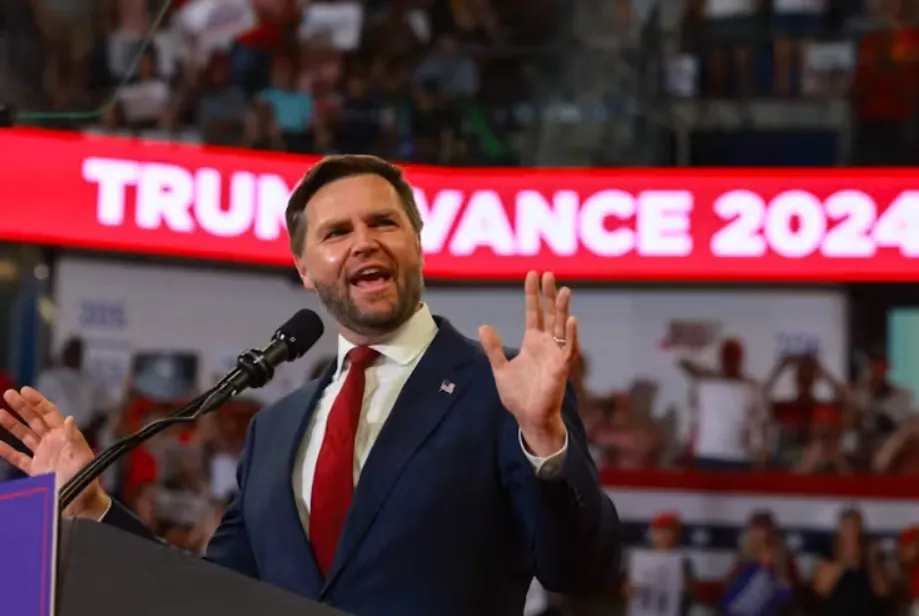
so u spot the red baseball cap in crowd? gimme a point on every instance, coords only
(666, 519)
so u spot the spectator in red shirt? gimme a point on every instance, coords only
(884, 93)
(251, 56)
(795, 417)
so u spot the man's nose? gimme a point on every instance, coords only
(365, 240)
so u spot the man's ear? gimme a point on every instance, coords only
(304, 275)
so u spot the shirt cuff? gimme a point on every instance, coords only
(546, 468)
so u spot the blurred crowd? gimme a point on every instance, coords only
(736, 422)
(467, 82)
(866, 51)
(851, 575)
(412, 80)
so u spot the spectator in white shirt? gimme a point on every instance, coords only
(75, 392)
(729, 423)
(880, 405)
(146, 99)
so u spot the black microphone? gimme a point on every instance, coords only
(254, 368)
(290, 342)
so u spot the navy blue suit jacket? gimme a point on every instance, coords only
(448, 517)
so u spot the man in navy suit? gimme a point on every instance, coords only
(422, 473)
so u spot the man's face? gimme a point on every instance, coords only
(362, 256)
(664, 538)
(732, 359)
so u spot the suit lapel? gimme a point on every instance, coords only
(295, 430)
(420, 408)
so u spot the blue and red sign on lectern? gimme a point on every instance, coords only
(28, 545)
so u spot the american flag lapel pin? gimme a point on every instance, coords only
(447, 386)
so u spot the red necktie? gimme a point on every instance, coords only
(333, 479)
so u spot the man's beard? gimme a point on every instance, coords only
(336, 298)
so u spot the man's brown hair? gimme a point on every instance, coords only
(334, 168)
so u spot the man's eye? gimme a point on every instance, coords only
(335, 233)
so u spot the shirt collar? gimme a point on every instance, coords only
(406, 343)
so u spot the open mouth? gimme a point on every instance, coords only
(371, 278)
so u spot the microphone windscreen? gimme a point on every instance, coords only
(301, 332)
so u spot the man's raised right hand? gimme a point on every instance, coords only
(57, 445)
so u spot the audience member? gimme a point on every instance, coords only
(144, 102)
(732, 30)
(794, 25)
(763, 579)
(794, 418)
(729, 419)
(76, 391)
(906, 581)
(201, 72)
(291, 108)
(884, 90)
(852, 580)
(450, 71)
(68, 28)
(628, 439)
(825, 453)
(657, 594)
(221, 105)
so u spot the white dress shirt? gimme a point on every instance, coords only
(384, 381)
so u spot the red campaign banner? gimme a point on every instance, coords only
(767, 484)
(160, 198)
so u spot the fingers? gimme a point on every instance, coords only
(491, 344)
(550, 292)
(534, 316)
(15, 427)
(72, 432)
(562, 313)
(572, 345)
(558, 306)
(47, 409)
(16, 458)
(29, 413)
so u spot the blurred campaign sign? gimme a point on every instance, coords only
(28, 542)
(827, 67)
(657, 581)
(217, 23)
(689, 334)
(341, 22)
(797, 343)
